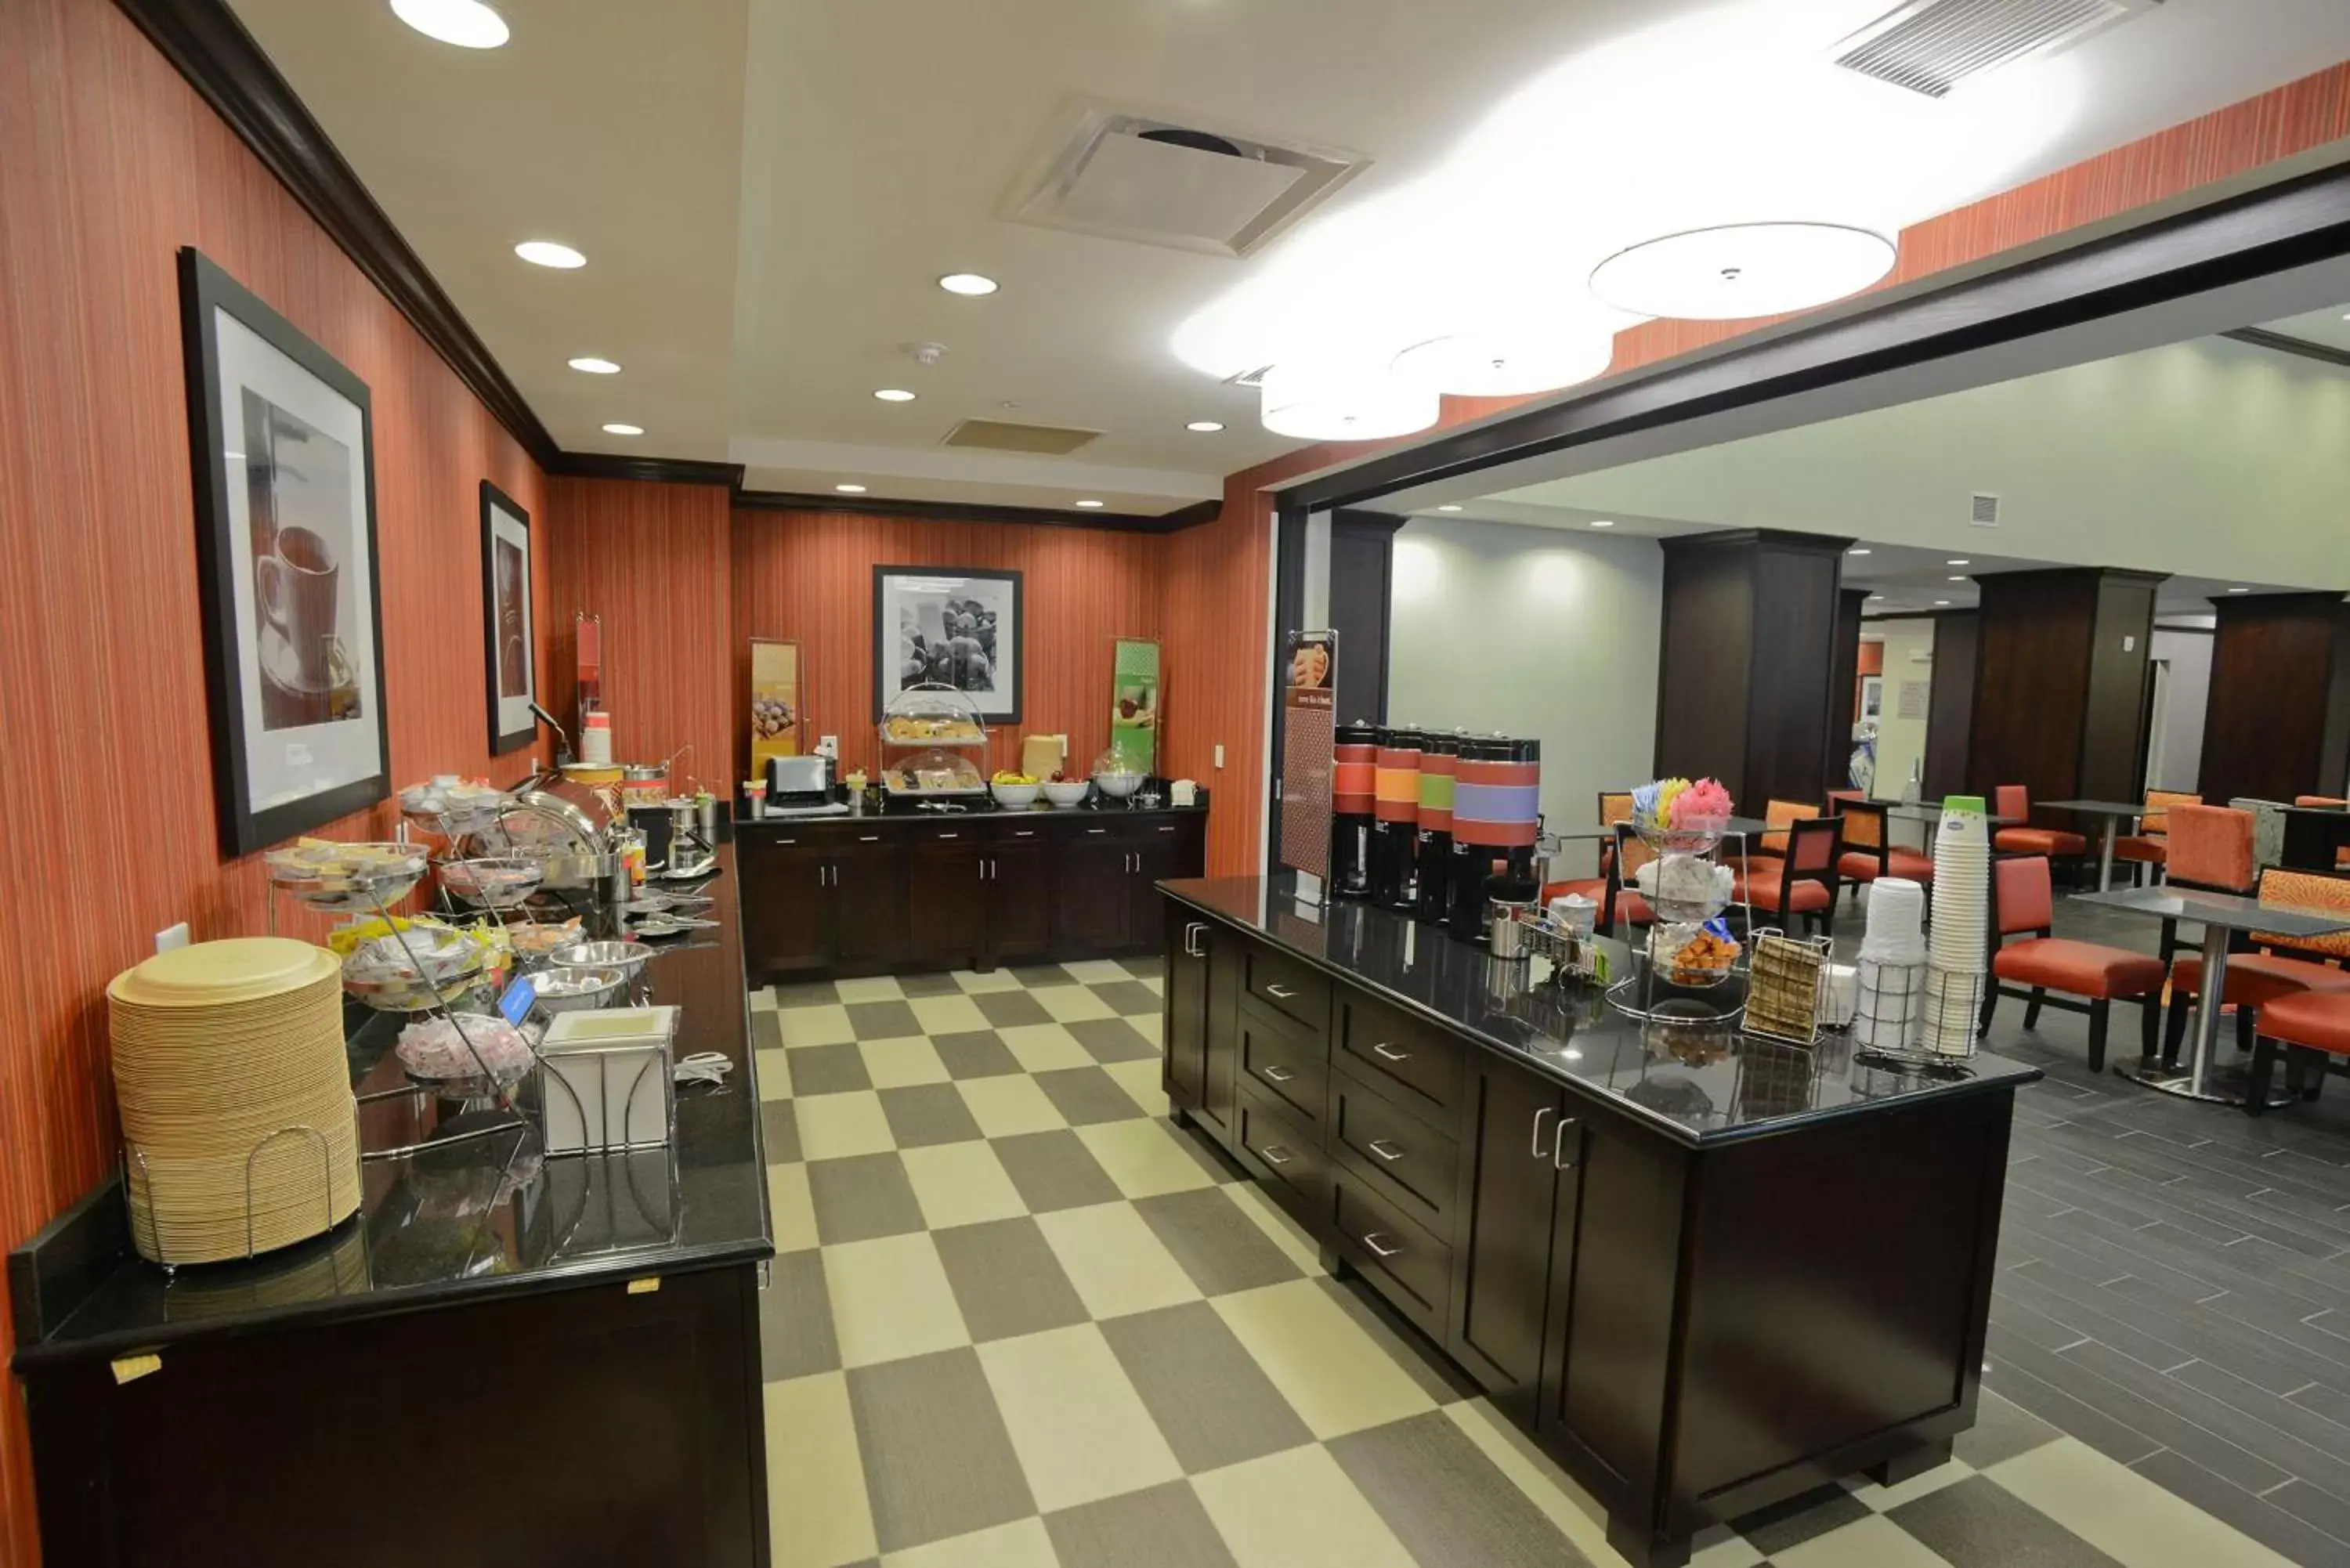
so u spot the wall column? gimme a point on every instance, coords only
(2278, 723)
(2061, 685)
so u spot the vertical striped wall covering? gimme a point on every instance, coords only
(107, 831)
(809, 575)
(651, 559)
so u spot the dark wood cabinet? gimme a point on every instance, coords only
(1183, 1011)
(786, 906)
(1020, 898)
(1093, 902)
(1521, 1151)
(868, 902)
(946, 900)
(1160, 853)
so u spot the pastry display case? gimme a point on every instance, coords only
(932, 737)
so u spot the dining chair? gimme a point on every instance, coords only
(2207, 848)
(1764, 851)
(2088, 977)
(2269, 966)
(2308, 1027)
(2014, 800)
(1869, 852)
(1805, 882)
(1615, 806)
(1626, 855)
(2148, 847)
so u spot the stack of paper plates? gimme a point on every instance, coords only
(240, 1131)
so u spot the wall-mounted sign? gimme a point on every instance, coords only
(1308, 721)
(1134, 702)
(776, 713)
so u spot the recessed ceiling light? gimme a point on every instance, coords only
(1958, 579)
(1961, 561)
(624, 429)
(1941, 601)
(1857, 550)
(1091, 505)
(1876, 596)
(548, 253)
(1602, 522)
(2247, 590)
(1448, 509)
(969, 283)
(596, 367)
(468, 24)
(894, 395)
(850, 489)
(1204, 427)
(1741, 270)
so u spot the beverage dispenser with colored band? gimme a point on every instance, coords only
(1496, 817)
(1439, 757)
(1394, 883)
(1354, 786)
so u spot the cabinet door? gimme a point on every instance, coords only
(1019, 896)
(787, 897)
(1092, 896)
(1219, 1069)
(946, 898)
(868, 902)
(1183, 1012)
(1152, 857)
(1511, 1130)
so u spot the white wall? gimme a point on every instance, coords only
(2189, 654)
(1901, 743)
(1534, 632)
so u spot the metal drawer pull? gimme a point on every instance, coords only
(1558, 1160)
(1372, 1242)
(1277, 1072)
(1381, 1050)
(1279, 992)
(1096, 830)
(1023, 833)
(868, 838)
(1386, 1150)
(1192, 931)
(1274, 1153)
(1540, 1117)
(949, 836)
(1166, 830)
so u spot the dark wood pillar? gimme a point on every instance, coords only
(1844, 677)
(1362, 557)
(1951, 711)
(2060, 682)
(2279, 721)
(1746, 679)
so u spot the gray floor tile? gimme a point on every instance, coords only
(939, 984)
(882, 1020)
(978, 1054)
(806, 994)
(1037, 974)
(1006, 1009)
(1055, 1170)
(1007, 1279)
(924, 1113)
(1438, 1378)
(2321, 1509)
(1086, 1094)
(1978, 1524)
(827, 1070)
(779, 1132)
(1148, 967)
(2002, 1429)
(1786, 1525)
(2258, 1518)
(2304, 1442)
(795, 1319)
(1444, 1499)
(938, 1462)
(766, 1031)
(1161, 1525)
(2110, 1436)
(1111, 1039)
(862, 1197)
(2169, 1411)
(1128, 998)
(1220, 1247)
(1212, 1403)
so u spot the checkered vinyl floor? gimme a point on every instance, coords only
(1018, 1317)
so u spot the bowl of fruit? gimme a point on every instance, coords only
(1015, 791)
(1065, 792)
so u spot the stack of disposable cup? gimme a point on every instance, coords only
(1960, 927)
(1890, 951)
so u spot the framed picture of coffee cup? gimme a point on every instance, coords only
(956, 627)
(506, 623)
(284, 492)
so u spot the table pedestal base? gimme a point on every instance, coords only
(2228, 1085)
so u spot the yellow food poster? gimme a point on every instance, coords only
(774, 701)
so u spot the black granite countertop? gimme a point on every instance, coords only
(986, 811)
(481, 1218)
(1702, 1085)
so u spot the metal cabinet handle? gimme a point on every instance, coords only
(1381, 1050)
(1541, 1115)
(1192, 931)
(1279, 992)
(1023, 833)
(1372, 1242)
(1096, 831)
(941, 835)
(1386, 1150)
(1277, 1072)
(1166, 830)
(1274, 1153)
(868, 838)
(1558, 1160)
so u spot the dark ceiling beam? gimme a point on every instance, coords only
(1174, 522)
(2285, 343)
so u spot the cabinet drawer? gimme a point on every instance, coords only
(1387, 1050)
(1285, 1060)
(1286, 1160)
(1404, 1264)
(1400, 1156)
(1288, 986)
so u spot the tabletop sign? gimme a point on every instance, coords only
(515, 1002)
(1309, 731)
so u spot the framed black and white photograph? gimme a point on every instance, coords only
(506, 624)
(948, 627)
(285, 493)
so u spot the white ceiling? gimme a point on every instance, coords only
(768, 189)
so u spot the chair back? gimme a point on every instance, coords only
(2319, 893)
(2021, 897)
(2012, 800)
(1863, 823)
(1632, 851)
(1812, 847)
(1615, 806)
(2335, 801)
(2155, 824)
(2210, 847)
(1777, 816)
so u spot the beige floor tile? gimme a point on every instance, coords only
(961, 1184)
(763, 999)
(1143, 1158)
(872, 988)
(1097, 972)
(890, 1299)
(816, 1486)
(1872, 1543)
(2122, 1514)
(1579, 1518)
(1140, 1080)
(1080, 1427)
(973, 982)
(1297, 1510)
(827, 1024)
(1885, 1499)
(948, 1014)
(1117, 1261)
(895, 1064)
(790, 1206)
(1331, 1372)
(1154, 985)
(1149, 1026)
(1044, 1047)
(1286, 1232)
(834, 1127)
(1731, 1550)
(1009, 1105)
(1067, 1004)
(775, 1070)
(1020, 1544)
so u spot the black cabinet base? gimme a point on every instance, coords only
(1911, 1465)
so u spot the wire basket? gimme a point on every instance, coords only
(1918, 1014)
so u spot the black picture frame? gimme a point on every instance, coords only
(886, 681)
(502, 738)
(205, 291)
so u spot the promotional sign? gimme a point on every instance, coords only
(1308, 721)
(775, 702)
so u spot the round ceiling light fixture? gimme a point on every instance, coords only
(1204, 427)
(1741, 270)
(1359, 405)
(624, 429)
(968, 283)
(468, 24)
(547, 252)
(1486, 365)
(894, 395)
(596, 366)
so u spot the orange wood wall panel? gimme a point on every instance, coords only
(809, 575)
(651, 559)
(109, 162)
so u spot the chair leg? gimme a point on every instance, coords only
(2256, 1097)
(1990, 1005)
(2100, 1015)
(2174, 1027)
(2244, 1016)
(2149, 1024)
(2032, 1008)
(2315, 1083)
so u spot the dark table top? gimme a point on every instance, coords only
(479, 1219)
(1931, 811)
(1701, 1084)
(1734, 825)
(981, 810)
(2223, 909)
(2101, 807)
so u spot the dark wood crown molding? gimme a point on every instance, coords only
(657, 470)
(1174, 522)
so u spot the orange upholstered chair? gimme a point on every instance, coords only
(1615, 806)
(1805, 883)
(1869, 851)
(1765, 852)
(2150, 845)
(2209, 846)
(2309, 1027)
(2270, 967)
(2015, 801)
(1616, 901)
(2023, 904)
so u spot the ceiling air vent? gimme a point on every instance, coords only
(1931, 46)
(1249, 378)
(1033, 441)
(1983, 511)
(1157, 181)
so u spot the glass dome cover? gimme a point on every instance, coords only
(933, 715)
(1117, 774)
(940, 771)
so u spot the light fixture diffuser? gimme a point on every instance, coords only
(1742, 270)
(624, 429)
(967, 283)
(850, 489)
(894, 395)
(1203, 427)
(1490, 364)
(595, 365)
(1092, 505)
(549, 253)
(1360, 405)
(468, 24)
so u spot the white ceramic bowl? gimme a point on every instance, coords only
(1117, 786)
(1067, 794)
(1012, 798)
